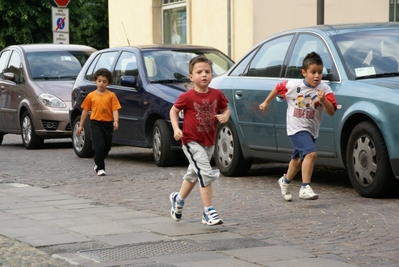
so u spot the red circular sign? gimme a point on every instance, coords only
(62, 3)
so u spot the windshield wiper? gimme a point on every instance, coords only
(46, 78)
(379, 75)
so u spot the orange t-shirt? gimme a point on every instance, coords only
(101, 105)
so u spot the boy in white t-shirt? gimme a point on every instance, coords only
(306, 101)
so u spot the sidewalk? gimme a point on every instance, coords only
(78, 232)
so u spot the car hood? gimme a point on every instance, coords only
(61, 89)
(391, 83)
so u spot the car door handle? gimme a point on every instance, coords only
(238, 94)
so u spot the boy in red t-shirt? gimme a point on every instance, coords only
(201, 106)
(104, 118)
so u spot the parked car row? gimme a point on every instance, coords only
(360, 65)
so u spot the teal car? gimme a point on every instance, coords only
(361, 67)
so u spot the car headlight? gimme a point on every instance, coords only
(50, 100)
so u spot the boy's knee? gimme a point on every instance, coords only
(311, 155)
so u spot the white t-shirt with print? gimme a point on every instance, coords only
(304, 111)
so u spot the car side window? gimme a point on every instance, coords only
(305, 44)
(3, 62)
(103, 60)
(15, 66)
(269, 59)
(241, 67)
(125, 66)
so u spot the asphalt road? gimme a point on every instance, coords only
(340, 225)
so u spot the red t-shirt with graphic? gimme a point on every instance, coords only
(199, 115)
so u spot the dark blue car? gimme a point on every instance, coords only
(147, 81)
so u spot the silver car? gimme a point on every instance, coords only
(35, 88)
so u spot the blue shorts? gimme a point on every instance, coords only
(303, 143)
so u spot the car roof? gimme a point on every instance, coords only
(166, 47)
(52, 47)
(334, 29)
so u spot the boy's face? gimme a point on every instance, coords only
(102, 83)
(201, 75)
(313, 74)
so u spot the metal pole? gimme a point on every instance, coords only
(320, 12)
(228, 28)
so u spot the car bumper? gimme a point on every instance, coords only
(52, 123)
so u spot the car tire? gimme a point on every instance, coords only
(161, 145)
(228, 155)
(1, 138)
(82, 144)
(29, 137)
(368, 164)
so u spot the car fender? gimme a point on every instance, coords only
(370, 111)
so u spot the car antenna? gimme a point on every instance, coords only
(125, 33)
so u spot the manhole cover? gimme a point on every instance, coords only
(142, 250)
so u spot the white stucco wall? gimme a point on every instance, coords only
(141, 21)
(251, 20)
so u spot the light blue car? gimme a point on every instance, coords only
(361, 67)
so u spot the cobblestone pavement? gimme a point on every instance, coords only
(340, 225)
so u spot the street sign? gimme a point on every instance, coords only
(60, 19)
(60, 38)
(61, 3)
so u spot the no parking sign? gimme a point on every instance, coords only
(60, 25)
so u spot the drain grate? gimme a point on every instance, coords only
(142, 251)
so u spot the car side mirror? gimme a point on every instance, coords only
(129, 81)
(9, 76)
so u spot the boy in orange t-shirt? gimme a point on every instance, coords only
(104, 106)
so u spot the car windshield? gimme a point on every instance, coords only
(172, 66)
(56, 64)
(369, 54)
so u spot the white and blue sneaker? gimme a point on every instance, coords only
(211, 217)
(177, 208)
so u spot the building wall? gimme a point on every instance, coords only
(251, 20)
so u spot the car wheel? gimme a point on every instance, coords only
(82, 143)
(161, 144)
(1, 138)
(228, 154)
(29, 138)
(368, 164)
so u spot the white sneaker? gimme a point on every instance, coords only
(211, 217)
(285, 189)
(307, 193)
(177, 208)
(95, 169)
(100, 173)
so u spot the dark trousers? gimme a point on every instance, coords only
(101, 137)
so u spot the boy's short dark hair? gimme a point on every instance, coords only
(103, 72)
(311, 58)
(197, 59)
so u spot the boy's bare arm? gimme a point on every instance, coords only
(224, 116)
(83, 118)
(115, 114)
(327, 105)
(174, 120)
(265, 104)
